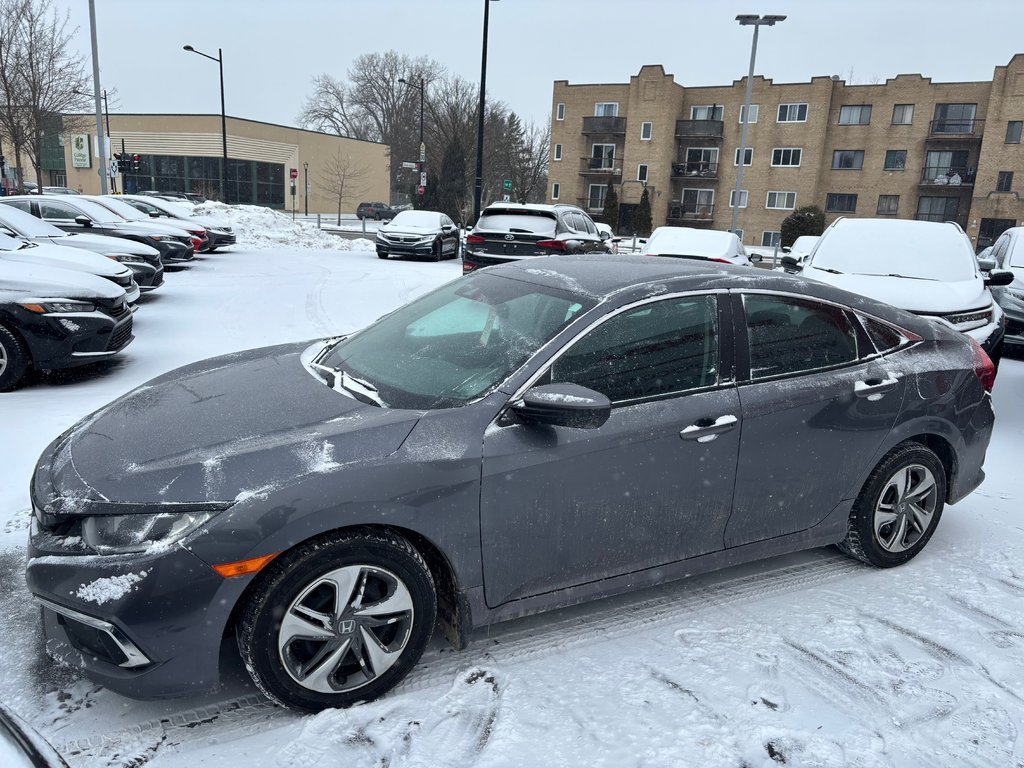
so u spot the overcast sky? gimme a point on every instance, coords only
(272, 49)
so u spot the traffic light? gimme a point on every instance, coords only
(136, 164)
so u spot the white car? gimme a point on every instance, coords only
(690, 243)
(925, 267)
(16, 250)
(1008, 254)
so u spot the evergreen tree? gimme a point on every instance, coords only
(642, 220)
(809, 220)
(430, 199)
(451, 188)
(610, 213)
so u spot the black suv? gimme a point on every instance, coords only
(375, 211)
(510, 231)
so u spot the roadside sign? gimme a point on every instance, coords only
(506, 198)
(309, 188)
(293, 173)
(420, 189)
(507, 185)
(409, 165)
(423, 179)
(114, 170)
(423, 152)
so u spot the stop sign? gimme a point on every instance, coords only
(293, 173)
(420, 189)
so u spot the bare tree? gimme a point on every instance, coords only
(327, 109)
(529, 164)
(341, 178)
(11, 86)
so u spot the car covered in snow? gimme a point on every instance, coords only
(218, 232)
(692, 243)
(200, 239)
(21, 746)
(1007, 254)
(430, 234)
(924, 267)
(529, 436)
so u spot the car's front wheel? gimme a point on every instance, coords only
(438, 250)
(338, 620)
(899, 507)
(14, 359)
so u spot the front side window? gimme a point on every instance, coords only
(848, 159)
(902, 114)
(888, 205)
(706, 112)
(792, 113)
(743, 198)
(56, 210)
(786, 156)
(789, 335)
(1013, 131)
(748, 156)
(560, 111)
(855, 114)
(785, 201)
(606, 109)
(840, 203)
(895, 159)
(646, 129)
(654, 349)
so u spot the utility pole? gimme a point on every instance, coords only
(96, 92)
(305, 181)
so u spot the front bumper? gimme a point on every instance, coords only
(148, 275)
(220, 238)
(174, 252)
(67, 339)
(412, 248)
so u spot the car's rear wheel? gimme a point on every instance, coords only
(899, 507)
(338, 620)
(14, 359)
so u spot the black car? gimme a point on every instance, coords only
(55, 318)
(526, 437)
(21, 746)
(73, 213)
(509, 232)
(378, 211)
(429, 234)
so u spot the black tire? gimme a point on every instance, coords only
(872, 536)
(438, 251)
(382, 255)
(14, 359)
(386, 564)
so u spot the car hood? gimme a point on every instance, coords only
(150, 228)
(408, 229)
(210, 223)
(922, 296)
(104, 244)
(74, 259)
(43, 282)
(222, 430)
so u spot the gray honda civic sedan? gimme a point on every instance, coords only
(525, 437)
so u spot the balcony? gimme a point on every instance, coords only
(699, 129)
(947, 177)
(608, 126)
(955, 130)
(600, 166)
(960, 219)
(686, 213)
(695, 171)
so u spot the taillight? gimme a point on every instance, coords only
(984, 369)
(196, 242)
(552, 245)
(474, 240)
(721, 261)
(467, 267)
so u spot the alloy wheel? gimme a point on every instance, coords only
(3, 359)
(905, 508)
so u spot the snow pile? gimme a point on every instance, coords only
(258, 227)
(108, 589)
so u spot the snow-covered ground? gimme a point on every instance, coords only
(806, 660)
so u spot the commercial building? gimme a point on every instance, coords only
(907, 148)
(184, 153)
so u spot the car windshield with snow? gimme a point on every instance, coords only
(521, 439)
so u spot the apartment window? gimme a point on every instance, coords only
(738, 233)
(560, 111)
(840, 203)
(902, 114)
(792, 113)
(783, 201)
(641, 172)
(1004, 181)
(602, 157)
(595, 196)
(895, 159)
(771, 239)
(786, 156)
(748, 156)
(753, 113)
(856, 114)
(558, 151)
(954, 118)
(937, 208)
(555, 189)
(743, 198)
(606, 109)
(1013, 131)
(701, 161)
(706, 112)
(888, 205)
(848, 159)
(699, 203)
(646, 129)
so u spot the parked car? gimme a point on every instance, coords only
(142, 260)
(21, 746)
(419, 233)
(55, 318)
(191, 197)
(529, 436)
(1008, 254)
(60, 191)
(379, 211)
(77, 214)
(218, 233)
(925, 267)
(691, 243)
(200, 240)
(511, 231)
(14, 249)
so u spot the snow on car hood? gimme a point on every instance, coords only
(59, 257)
(915, 295)
(412, 229)
(105, 244)
(45, 282)
(220, 430)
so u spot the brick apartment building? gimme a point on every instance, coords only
(908, 148)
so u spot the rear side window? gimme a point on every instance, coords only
(539, 223)
(884, 337)
(788, 335)
(50, 210)
(1016, 248)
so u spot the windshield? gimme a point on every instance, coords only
(122, 209)
(92, 210)
(689, 242)
(915, 249)
(26, 224)
(417, 219)
(456, 343)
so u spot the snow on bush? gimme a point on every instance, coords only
(258, 227)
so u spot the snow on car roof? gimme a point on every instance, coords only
(687, 241)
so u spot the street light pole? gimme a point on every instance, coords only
(479, 183)
(305, 180)
(223, 119)
(102, 144)
(756, 22)
(423, 147)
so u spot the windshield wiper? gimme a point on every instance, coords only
(360, 388)
(910, 277)
(829, 269)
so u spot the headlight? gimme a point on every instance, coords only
(46, 307)
(157, 238)
(116, 534)
(125, 258)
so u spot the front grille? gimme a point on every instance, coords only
(92, 641)
(121, 335)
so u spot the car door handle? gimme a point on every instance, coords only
(873, 389)
(705, 430)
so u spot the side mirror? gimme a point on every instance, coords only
(447, 228)
(84, 221)
(755, 258)
(786, 249)
(604, 235)
(790, 262)
(986, 264)
(154, 214)
(999, 277)
(563, 405)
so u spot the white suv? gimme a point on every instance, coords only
(925, 267)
